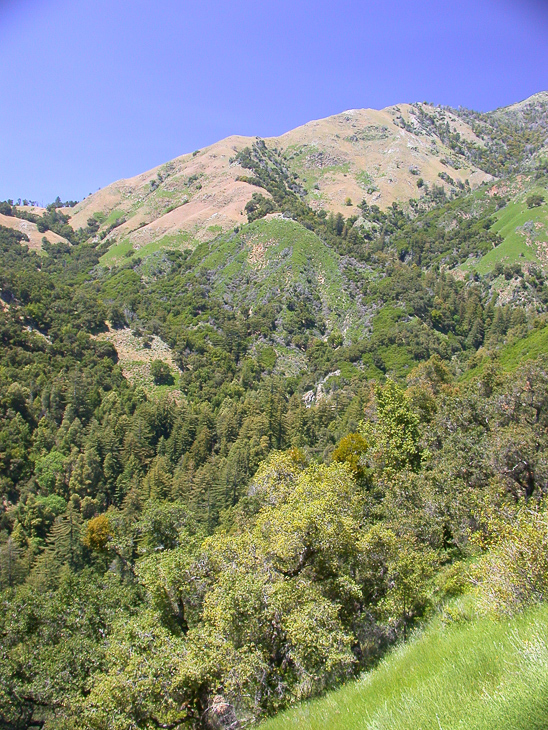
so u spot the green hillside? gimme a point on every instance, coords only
(279, 259)
(123, 249)
(238, 474)
(510, 356)
(477, 675)
(524, 232)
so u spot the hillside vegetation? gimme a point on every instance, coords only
(240, 463)
(336, 162)
(481, 675)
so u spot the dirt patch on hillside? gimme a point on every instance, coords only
(135, 358)
(30, 229)
(257, 251)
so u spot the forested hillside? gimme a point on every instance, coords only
(234, 474)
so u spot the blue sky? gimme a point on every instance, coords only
(92, 91)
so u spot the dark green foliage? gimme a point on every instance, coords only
(270, 172)
(511, 136)
(259, 206)
(161, 373)
(535, 200)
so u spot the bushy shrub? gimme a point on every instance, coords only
(161, 373)
(535, 200)
(515, 570)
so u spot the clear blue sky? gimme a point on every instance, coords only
(95, 90)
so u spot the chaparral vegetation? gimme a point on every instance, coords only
(310, 449)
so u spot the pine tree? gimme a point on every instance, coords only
(475, 338)
(10, 564)
(64, 544)
(498, 327)
(158, 482)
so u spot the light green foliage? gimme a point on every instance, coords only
(511, 356)
(394, 436)
(398, 568)
(146, 685)
(49, 471)
(254, 615)
(119, 250)
(268, 611)
(515, 570)
(65, 629)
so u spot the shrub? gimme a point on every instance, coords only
(350, 450)
(515, 571)
(161, 373)
(535, 200)
(98, 533)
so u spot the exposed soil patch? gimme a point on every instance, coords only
(30, 229)
(135, 359)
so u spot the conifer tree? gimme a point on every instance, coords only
(10, 564)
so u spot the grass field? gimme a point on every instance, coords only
(520, 244)
(117, 252)
(477, 675)
(512, 356)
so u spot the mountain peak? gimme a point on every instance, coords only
(360, 154)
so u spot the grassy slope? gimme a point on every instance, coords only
(466, 676)
(116, 254)
(512, 356)
(515, 248)
(529, 348)
(265, 258)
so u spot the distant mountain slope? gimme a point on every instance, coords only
(512, 136)
(524, 229)
(31, 231)
(339, 161)
(279, 260)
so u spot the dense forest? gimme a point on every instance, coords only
(312, 480)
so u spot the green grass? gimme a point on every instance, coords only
(114, 216)
(178, 241)
(478, 675)
(309, 175)
(117, 251)
(365, 180)
(528, 348)
(514, 248)
(511, 356)
(266, 257)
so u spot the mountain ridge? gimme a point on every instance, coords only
(339, 160)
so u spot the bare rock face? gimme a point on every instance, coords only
(221, 715)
